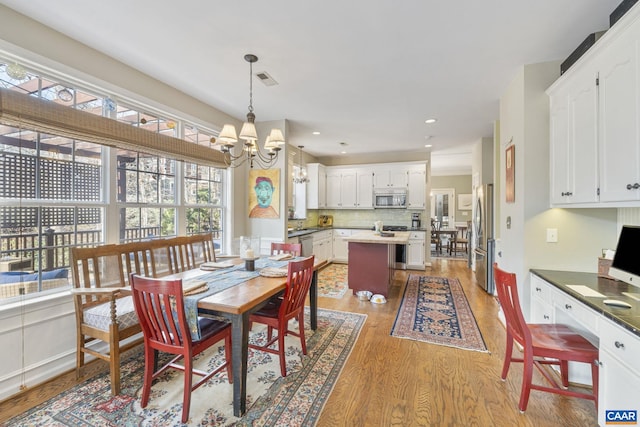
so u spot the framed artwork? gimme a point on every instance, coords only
(264, 193)
(464, 202)
(510, 168)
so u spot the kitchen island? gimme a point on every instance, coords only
(372, 260)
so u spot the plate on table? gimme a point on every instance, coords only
(273, 272)
(192, 287)
(215, 265)
(280, 257)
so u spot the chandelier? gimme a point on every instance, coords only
(249, 151)
(300, 176)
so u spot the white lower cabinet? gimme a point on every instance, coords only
(323, 245)
(415, 250)
(341, 246)
(619, 387)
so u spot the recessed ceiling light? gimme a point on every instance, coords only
(343, 152)
(428, 146)
(429, 121)
(316, 133)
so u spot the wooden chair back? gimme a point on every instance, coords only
(507, 289)
(203, 248)
(294, 249)
(181, 254)
(299, 276)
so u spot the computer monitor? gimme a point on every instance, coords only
(626, 261)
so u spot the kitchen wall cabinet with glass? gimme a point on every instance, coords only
(595, 106)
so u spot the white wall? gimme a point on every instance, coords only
(582, 233)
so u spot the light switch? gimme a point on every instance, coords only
(552, 235)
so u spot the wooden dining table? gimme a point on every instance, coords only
(451, 232)
(236, 303)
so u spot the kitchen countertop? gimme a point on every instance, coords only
(310, 230)
(629, 318)
(370, 236)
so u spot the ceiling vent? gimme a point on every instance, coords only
(266, 78)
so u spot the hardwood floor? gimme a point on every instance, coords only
(390, 381)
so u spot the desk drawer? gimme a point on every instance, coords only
(542, 290)
(620, 343)
(586, 318)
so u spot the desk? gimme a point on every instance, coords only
(236, 303)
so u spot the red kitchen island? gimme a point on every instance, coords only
(372, 260)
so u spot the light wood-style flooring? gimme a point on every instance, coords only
(389, 381)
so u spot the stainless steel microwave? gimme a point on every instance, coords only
(390, 198)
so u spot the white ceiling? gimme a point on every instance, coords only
(363, 72)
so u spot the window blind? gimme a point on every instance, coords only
(21, 110)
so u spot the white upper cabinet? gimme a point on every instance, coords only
(417, 187)
(619, 137)
(317, 186)
(364, 196)
(574, 141)
(342, 188)
(595, 123)
(391, 177)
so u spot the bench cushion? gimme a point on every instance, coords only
(100, 315)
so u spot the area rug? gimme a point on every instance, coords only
(445, 255)
(295, 400)
(435, 310)
(332, 281)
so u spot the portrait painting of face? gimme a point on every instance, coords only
(264, 194)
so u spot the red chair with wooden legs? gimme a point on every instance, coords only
(168, 331)
(543, 344)
(277, 312)
(294, 249)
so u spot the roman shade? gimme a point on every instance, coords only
(21, 110)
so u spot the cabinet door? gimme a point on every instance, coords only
(365, 189)
(559, 148)
(417, 187)
(340, 246)
(349, 190)
(333, 189)
(618, 388)
(582, 165)
(415, 254)
(398, 177)
(619, 143)
(322, 187)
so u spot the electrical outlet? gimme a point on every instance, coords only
(552, 235)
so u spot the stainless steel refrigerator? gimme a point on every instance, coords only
(483, 237)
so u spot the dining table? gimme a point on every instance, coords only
(450, 232)
(246, 292)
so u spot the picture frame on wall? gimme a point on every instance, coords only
(510, 169)
(464, 202)
(264, 193)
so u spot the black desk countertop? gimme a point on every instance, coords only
(629, 318)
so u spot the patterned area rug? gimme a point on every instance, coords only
(332, 281)
(435, 310)
(295, 400)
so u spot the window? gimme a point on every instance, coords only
(52, 187)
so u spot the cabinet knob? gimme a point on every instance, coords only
(619, 344)
(538, 289)
(567, 306)
(633, 186)
(546, 317)
(566, 193)
(597, 363)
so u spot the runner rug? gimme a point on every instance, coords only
(295, 400)
(435, 310)
(332, 281)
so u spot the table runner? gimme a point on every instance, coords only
(218, 281)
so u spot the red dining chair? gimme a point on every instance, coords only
(166, 329)
(543, 344)
(277, 312)
(294, 249)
